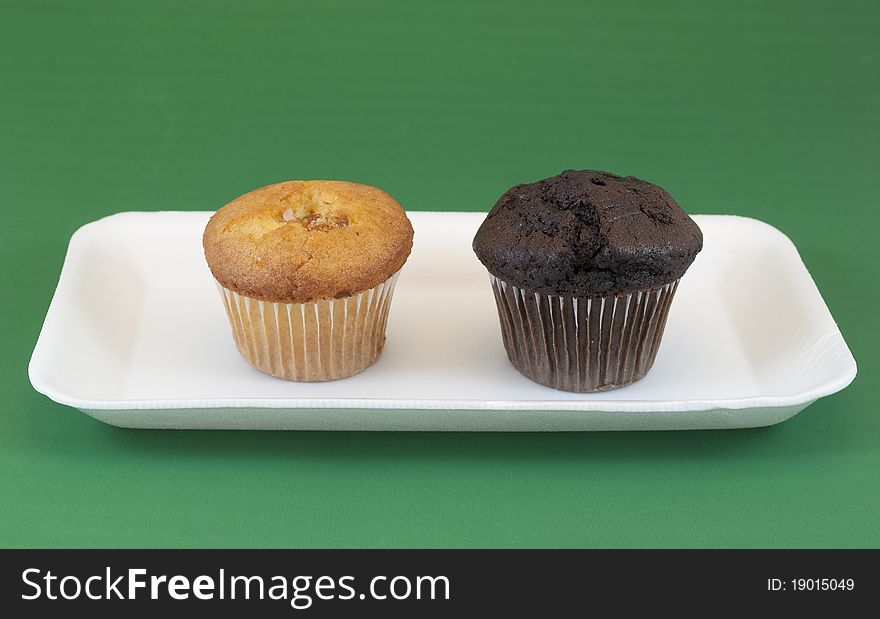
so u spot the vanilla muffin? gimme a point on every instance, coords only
(306, 270)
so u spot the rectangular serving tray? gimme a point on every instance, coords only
(136, 336)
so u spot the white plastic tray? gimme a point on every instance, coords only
(136, 336)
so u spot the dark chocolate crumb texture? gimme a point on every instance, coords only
(587, 233)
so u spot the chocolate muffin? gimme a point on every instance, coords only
(584, 266)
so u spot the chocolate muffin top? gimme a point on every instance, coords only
(587, 233)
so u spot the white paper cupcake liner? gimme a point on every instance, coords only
(580, 343)
(317, 341)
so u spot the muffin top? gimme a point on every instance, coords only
(301, 241)
(587, 233)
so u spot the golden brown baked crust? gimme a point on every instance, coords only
(301, 241)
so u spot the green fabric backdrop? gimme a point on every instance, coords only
(764, 109)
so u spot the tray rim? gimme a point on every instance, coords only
(592, 404)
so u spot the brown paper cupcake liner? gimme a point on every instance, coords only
(323, 340)
(579, 343)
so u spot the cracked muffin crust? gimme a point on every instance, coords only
(587, 233)
(302, 241)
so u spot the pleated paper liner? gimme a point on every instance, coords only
(323, 340)
(582, 344)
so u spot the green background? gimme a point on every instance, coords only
(764, 109)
